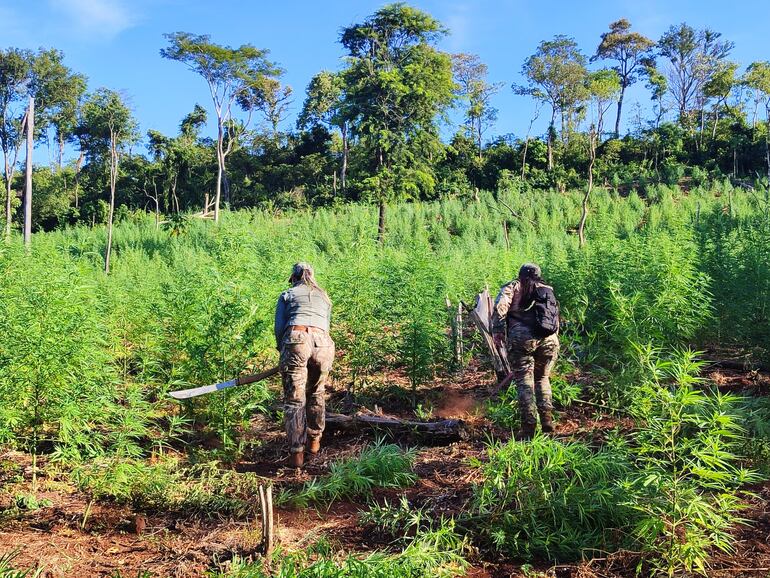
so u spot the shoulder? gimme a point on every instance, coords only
(510, 288)
(507, 292)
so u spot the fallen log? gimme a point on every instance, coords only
(738, 364)
(440, 432)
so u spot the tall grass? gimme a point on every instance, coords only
(196, 306)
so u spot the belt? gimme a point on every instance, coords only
(306, 328)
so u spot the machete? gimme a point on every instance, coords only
(244, 380)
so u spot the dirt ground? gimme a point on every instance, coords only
(55, 539)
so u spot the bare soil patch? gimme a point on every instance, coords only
(171, 545)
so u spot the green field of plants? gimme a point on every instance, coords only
(666, 283)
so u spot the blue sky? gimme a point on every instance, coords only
(116, 42)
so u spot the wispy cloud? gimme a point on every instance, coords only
(458, 22)
(103, 19)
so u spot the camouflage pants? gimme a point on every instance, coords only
(306, 359)
(531, 361)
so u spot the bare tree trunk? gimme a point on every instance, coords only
(584, 214)
(767, 140)
(505, 235)
(156, 198)
(218, 194)
(524, 157)
(550, 147)
(551, 131)
(28, 175)
(173, 192)
(220, 171)
(381, 224)
(478, 138)
(113, 183)
(8, 191)
(699, 141)
(344, 169)
(78, 166)
(620, 109)
(526, 140)
(60, 160)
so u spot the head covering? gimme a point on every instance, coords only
(529, 271)
(302, 274)
(301, 270)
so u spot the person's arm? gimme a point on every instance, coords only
(500, 311)
(280, 320)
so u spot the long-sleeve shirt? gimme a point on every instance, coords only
(508, 300)
(301, 305)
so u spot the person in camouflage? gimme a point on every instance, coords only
(531, 358)
(302, 318)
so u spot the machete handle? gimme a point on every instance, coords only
(247, 379)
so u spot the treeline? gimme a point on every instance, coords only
(371, 130)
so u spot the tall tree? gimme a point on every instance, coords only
(602, 88)
(176, 154)
(108, 128)
(630, 50)
(54, 92)
(556, 75)
(757, 79)
(719, 87)
(30, 130)
(693, 58)
(15, 76)
(476, 93)
(396, 84)
(58, 92)
(233, 75)
(324, 106)
(271, 99)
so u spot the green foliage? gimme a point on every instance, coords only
(668, 489)
(8, 571)
(377, 466)
(433, 554)
(687, 471)
(413, 287)
(398, 520)
(552, 499)
(395, 85)
(204, 490)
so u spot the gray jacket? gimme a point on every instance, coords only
(301, 305)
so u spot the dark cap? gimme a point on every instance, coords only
(529, 271)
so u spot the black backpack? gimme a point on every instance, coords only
(543, 313)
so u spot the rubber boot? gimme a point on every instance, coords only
(527, 432)
(546, 422)
(314, 446)
(296, 459)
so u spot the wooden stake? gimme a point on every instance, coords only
(269, 507)
(505, 233)
(266, 509)
(263, 516)
(458, 326)
(28, 180)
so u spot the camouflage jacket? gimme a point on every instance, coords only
(507, 304)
